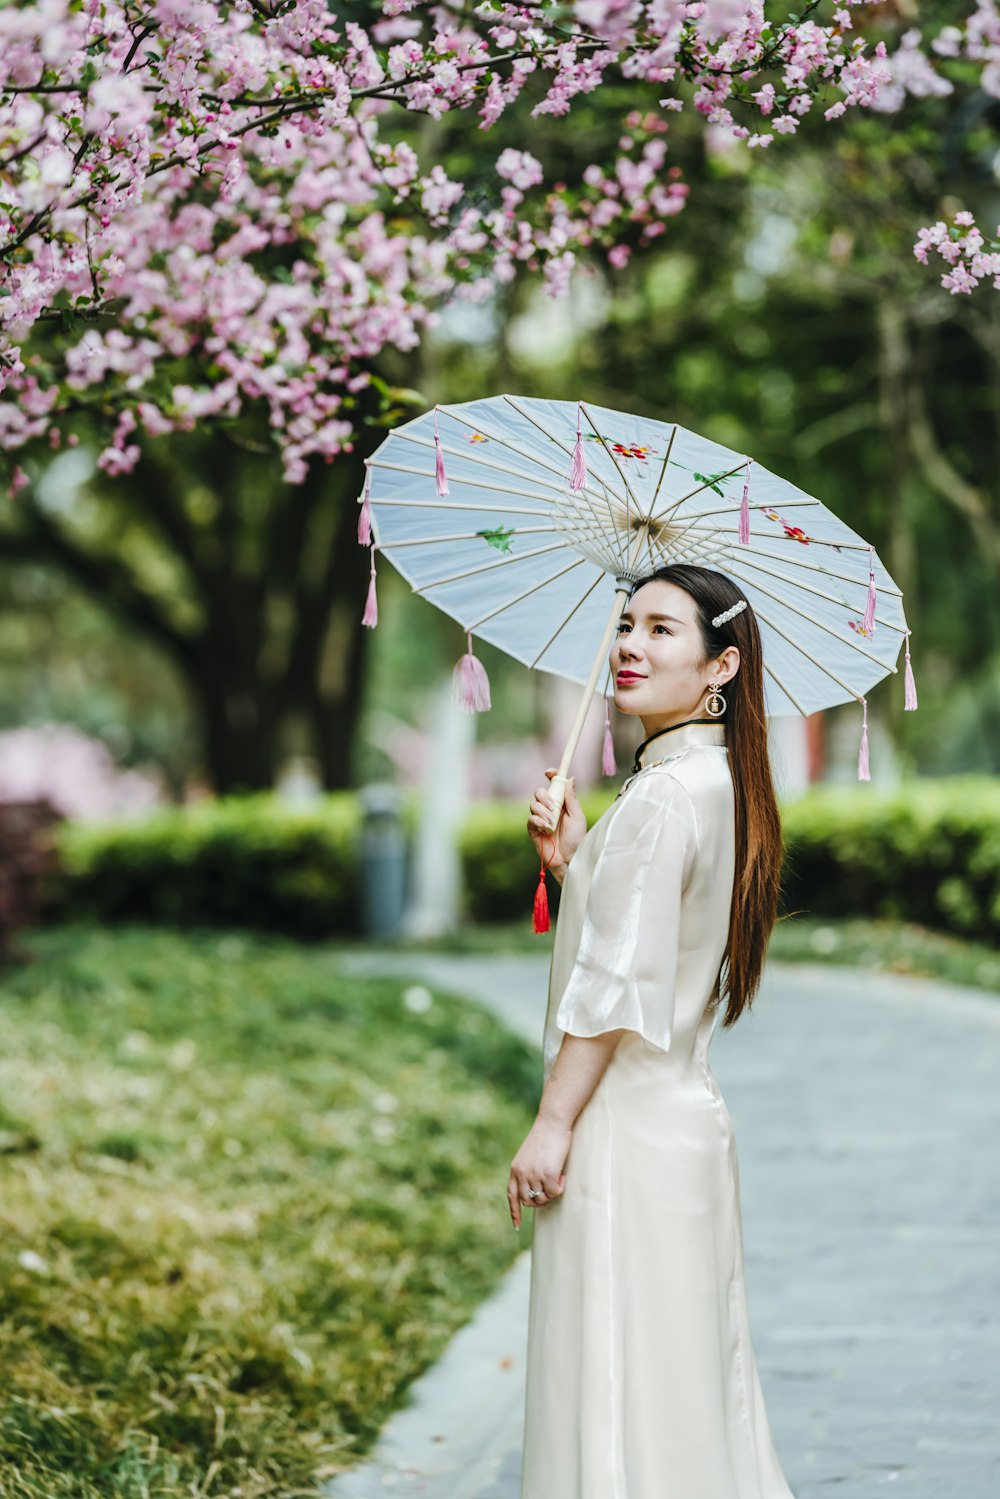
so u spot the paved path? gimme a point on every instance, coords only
(867, 1116)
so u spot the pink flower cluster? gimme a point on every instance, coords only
(209, 206)
(963, 248)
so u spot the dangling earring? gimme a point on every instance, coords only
(715, 703)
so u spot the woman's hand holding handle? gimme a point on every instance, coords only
(570, 826)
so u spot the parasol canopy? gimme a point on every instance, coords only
(520, 518)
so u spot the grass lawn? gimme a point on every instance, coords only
(887, 946)
(245, 1202)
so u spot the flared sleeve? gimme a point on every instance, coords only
(625, 971)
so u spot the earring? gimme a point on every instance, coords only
(715, 703)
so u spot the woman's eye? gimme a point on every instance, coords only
(622, 628)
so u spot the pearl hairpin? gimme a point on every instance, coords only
(721, 619)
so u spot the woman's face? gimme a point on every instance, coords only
(656, 659)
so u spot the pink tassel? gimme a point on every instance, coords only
(578, 470)
(608, 765)
(863, 772)
(869, 619)
(470, 686)
(370, 616)
(745, 509)
(365, 518)
(440, 476)
(909, 685)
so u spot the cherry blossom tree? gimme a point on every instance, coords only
(222, 217)
(236, 181)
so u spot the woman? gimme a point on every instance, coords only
(641, 1378)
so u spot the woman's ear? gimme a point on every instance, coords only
(727, 664)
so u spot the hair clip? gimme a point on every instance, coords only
(721, 619)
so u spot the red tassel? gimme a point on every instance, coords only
(578, 469)
(909, 685)
(440, 477)
(608, 766)
(470, 686)
(365, 518)
(370, 616)
(869, 619)
(863, 771)
(540, 914)
(745, 509)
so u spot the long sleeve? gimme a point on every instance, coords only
(625, 971)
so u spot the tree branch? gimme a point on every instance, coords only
(104, 578)
(946, 479)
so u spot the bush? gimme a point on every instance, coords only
(928, 853)
(241, 861)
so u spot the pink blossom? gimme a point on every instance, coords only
(167, 202)
(520, 168)
(969, 264)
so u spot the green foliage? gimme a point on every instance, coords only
(854, 942)
(886, 947)
(241, 861)
(927, 853)
(246, 1201)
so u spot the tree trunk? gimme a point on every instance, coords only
(271, 631)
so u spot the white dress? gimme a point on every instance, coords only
(641, 1378)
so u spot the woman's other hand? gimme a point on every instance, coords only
(569, 832)
(538, 1166)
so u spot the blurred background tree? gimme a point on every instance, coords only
(782, 313)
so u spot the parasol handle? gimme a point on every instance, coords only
(558, 783)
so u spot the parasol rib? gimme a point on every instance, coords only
(808, 654)
(786, 690)
(821, 593)
(527, 592)
(673, 543)
(818, 567)
(663, 470)
(489, 567)
(708, 484)
(404, 468)
(816, 541)
(734, 504)
(614, 460)
(569, 453)
(564, 622)
(504, 442)
(437, 504)
(851, 641)
(481, 460)
(424, 541)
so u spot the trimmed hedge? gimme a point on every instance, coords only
(928, 852)
(242, 861)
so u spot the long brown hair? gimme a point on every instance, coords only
(758, 824)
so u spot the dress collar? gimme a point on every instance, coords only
(669, 742)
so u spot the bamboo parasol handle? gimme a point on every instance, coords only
(559, 782)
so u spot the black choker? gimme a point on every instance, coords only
(637, 763)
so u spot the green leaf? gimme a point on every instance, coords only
(498, 538)
(712, 480)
